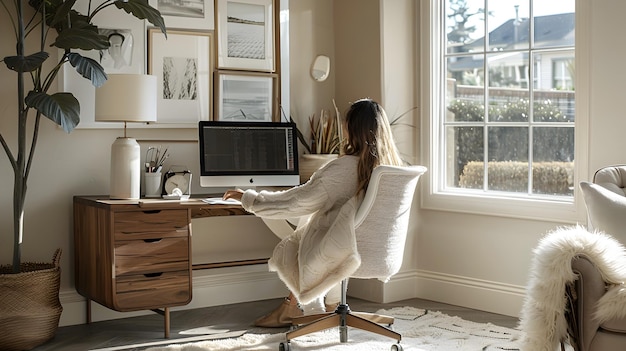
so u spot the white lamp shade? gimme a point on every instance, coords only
(127, 98)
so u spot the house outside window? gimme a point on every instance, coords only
(498, 134)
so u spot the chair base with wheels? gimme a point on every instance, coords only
(343, 318)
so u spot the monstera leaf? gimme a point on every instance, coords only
(26, 63)
(81, 38)
(88, 68)
(61, 108)
(142, 10)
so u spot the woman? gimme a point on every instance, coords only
(319, 254)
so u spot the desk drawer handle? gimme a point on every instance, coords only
(153, 275)
(152, 240)
(151, 211)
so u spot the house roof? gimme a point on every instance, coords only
(549, 30)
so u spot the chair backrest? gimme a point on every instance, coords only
(382, 220)
(612, 178)
(605, 200)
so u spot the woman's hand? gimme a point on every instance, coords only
(233, 194)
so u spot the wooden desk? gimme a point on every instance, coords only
(134, 255)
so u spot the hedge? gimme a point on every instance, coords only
(553, 178)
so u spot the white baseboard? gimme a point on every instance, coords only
(253, 283)
(468, 292)
(484, 295)
(213, 287)
(401, 286)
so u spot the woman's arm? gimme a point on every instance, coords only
(295, 202)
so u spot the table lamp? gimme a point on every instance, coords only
(126, 98)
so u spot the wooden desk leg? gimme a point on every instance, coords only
(88, 309)
(166, 318)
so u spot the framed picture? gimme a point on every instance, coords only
(127, 37)
(184, 67)
(245, 35)
(244, 96)
(187, 14)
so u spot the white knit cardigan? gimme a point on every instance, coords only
(322, 252)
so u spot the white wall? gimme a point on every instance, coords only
(470, 260)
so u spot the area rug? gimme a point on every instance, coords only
(421, 330)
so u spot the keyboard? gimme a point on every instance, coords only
(220, 201)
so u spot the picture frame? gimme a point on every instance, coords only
(245, 96)
(132, 51)
(188, 14)
(183, 64)
(246, 35)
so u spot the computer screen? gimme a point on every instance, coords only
(248, 154)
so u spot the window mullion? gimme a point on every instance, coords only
(486, 101)
(531, 98)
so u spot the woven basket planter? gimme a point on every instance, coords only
(29, 304)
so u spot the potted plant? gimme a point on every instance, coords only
(323, 145)
(22, 311)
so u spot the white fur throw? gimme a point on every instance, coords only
(543, 314)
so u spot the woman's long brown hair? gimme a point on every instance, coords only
(369, 137)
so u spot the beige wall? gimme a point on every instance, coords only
(470, 260)
(357, 51)
(311, 33)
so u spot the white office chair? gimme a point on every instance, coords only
(381, 226)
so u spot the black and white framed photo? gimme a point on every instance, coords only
(183, 66)
(119, 55)
(187, 14)
(244, 96)
(245, 35)
(126, 54)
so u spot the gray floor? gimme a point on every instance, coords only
(149, 328)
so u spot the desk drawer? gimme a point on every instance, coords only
(151, 256)
(151, 224)
(137, 292)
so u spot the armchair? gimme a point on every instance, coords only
(605, 199)
(575, 293)
(381, 225)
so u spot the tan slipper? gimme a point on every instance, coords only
(281, 316)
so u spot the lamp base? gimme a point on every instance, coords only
(125, 169)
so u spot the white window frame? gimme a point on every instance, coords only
(435, 195)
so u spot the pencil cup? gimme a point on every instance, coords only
(153, 184)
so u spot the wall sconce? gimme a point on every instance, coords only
(320, 68)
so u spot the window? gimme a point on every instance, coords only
(562, 73)
(503, 99)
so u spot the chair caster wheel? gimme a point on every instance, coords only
(284, 346)
(396, 347)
